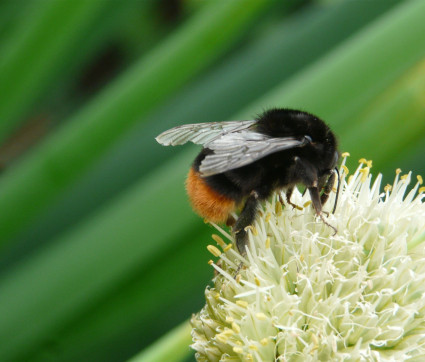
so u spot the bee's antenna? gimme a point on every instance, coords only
(337, 190)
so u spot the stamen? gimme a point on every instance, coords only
(252, 228)
(236, 328)
(218, 240)
(228, 247)
(213, 250)
(365, 173)
(242, 303)
(278, 209)
(264, 341)
(222, 338)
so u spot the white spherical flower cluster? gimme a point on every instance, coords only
(305, 294)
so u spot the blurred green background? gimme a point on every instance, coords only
(100, 254)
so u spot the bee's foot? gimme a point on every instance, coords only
(327, 224)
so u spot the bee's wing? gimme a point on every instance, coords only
(200, 133)
(242, 148)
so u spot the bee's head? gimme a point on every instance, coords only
(326, 150)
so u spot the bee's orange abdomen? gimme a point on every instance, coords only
(207, 202)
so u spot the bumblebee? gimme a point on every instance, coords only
(243, 162)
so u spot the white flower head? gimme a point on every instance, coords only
(305, 294)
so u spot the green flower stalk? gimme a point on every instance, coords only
(305, 294)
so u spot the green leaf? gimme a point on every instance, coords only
(35, 52)
(172, 347)
(31, 185)
(60, 281)
(400, 108)
(357, 71)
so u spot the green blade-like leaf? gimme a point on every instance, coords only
(31, 185)
(36, 52)
(339, 84)
(138, 309)
(394, 120)
(59, 282)
(171, 347)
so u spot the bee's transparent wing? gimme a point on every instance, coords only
(241, 148)
(201, 133)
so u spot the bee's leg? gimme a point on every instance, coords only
(328, 188)
(246, 218)
(315, 199)
(288, 199)
(281, 199)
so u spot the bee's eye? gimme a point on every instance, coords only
(308, 138)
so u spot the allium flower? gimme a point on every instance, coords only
(305, 294)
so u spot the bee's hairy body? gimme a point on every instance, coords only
(281, 170)
(309, 160)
